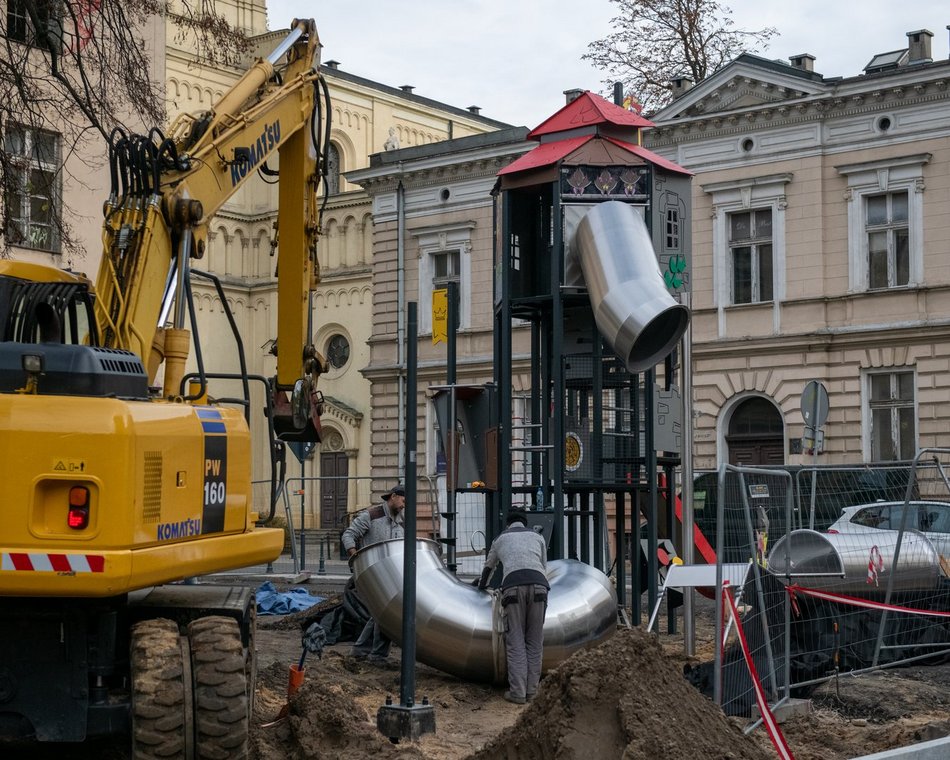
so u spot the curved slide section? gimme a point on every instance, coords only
(459, 629)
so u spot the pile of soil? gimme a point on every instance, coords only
(622, 699)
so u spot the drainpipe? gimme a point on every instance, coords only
(400, 314)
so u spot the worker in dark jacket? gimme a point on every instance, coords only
(380, 523)
(524, 598)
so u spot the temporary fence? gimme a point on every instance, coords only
(842, 579)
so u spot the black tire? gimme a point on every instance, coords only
(220, 689)
(159, 692)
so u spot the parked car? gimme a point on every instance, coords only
(932, 518)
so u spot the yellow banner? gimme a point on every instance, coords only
(440, 316)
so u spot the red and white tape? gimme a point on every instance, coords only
(855, 601)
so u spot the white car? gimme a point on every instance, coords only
(932, 518)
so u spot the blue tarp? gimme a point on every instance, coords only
(270, 601)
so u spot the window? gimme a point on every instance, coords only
(338, 351)
(891, 412)
(333, 169)
(885, 222)
(673, 229)
(31, 197)
(445, 268)
(750, 244)
(20, 28)
(888, 244)
(444, 256)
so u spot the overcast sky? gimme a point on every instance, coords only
(514, 58)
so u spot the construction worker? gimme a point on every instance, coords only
(524, 598)
(380, 523)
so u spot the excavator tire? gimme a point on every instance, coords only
(159, 692)
(221, 698)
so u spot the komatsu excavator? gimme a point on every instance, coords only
(118, 490)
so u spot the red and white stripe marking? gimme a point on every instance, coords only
(855, 601)
(41, 562)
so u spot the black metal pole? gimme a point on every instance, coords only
(408, 720)
(407, 688)
(451, 436)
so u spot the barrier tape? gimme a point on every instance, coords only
(855, 601)
(875, 565)
(771, 725)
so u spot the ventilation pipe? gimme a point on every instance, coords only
(459, 629)
(632, 307)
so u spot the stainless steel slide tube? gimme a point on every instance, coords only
(632, 307)
(459, 629)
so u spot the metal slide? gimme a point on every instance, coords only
(459, 629)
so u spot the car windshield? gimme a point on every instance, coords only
(933, 518)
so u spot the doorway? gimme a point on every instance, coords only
(334, 487)
(756, 434)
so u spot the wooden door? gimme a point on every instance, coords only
(334, 469)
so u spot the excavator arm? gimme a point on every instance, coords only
(165, 192)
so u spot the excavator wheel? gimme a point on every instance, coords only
(160, 691)
(220, 689)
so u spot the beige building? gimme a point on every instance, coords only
(367, 117)
(820, 252)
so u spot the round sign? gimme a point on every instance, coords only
(573, 452)
(815, 404)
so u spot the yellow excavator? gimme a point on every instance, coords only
(120, 489)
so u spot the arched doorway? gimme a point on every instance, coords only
(756, 434)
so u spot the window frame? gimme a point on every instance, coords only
(747, 194)
(889, 228)
(870, 178)
(435, 241)
(24, 163)
(754, 243)
(895, 405)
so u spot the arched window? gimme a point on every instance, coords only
(333, 169)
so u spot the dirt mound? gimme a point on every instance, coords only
(620, 699)
(324, 720)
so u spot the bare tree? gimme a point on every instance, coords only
(657, 40)
(72, 72)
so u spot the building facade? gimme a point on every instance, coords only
(820, 252)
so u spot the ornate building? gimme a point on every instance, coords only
(820, 253)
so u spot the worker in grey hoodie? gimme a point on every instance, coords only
(524, 598)
(380, 523)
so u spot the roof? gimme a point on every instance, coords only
(552, 152)
(587, 110)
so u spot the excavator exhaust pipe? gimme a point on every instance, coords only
(459, 629)
(632, 307)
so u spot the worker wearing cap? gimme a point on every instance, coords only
(524, 599)
(379, 523)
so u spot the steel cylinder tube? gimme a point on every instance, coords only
(459, 629)
(632, 307)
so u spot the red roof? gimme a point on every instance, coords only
(546, 154)
(650, 156)
(585, 110)
(552, 152)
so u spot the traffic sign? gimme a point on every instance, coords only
(815, 404)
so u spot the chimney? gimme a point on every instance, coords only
(918, 44)
(331, 64)
(803, 61)
(474, 109)
(572, 95)
(407, 88)
(680, 85)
